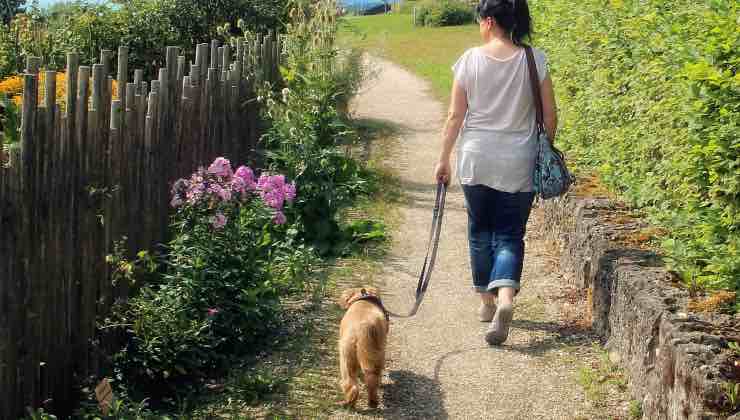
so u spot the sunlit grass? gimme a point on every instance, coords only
(428, 52)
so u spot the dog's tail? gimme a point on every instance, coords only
(376, 336)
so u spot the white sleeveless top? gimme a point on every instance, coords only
(497, 147)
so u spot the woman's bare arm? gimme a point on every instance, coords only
(455, 117)
(549, 108)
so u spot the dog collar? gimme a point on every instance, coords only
(374, 299)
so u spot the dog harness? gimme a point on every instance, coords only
(373, 299)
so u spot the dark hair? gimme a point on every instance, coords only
(512, 15)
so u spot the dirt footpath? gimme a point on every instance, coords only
(439, 365)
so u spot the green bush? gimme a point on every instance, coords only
(304, 142)
(231, 257)
(145, 26)
(650, 99)
(405, 8)
(121, 408)
(86, 29)
(308, 126)
(8, 9)
(8, 58)
(423, 8)
(10, 121)
(444, 13)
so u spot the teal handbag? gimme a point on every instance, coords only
(551, 176)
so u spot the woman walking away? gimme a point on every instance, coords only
(492, 110)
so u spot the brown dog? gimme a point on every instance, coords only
(362, 338)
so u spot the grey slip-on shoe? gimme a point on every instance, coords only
(498, 332)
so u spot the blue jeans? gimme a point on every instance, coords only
(497, 222)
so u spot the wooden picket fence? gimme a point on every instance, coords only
(97, 173)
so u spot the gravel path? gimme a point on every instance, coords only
(439, 366)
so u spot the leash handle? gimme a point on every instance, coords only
(431, 255)
(433, 243)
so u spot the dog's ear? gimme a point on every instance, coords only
(344, 298)
(372, 291)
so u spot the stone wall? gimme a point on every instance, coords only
(677, 362)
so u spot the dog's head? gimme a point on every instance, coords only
(350, 295)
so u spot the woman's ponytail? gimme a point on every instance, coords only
(511, 15)
(522, 22)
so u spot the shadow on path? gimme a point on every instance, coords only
(372, 130)
(443, 359)
(558, 336)
(409, 393)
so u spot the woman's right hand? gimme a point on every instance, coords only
(442, 172)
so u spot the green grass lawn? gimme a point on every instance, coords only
(428, 52)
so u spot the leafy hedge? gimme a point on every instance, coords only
(650, 98)
(443, 13)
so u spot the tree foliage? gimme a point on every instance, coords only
(145, 26)
(8, 9)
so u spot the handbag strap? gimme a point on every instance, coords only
(534, 80)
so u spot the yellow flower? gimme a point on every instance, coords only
(13, 87)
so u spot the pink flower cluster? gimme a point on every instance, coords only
(275, 192)
(219, 183)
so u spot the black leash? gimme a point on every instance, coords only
(426, 270)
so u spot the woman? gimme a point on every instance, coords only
(492, 111)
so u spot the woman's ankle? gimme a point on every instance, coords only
(506, 296)
(488, 298)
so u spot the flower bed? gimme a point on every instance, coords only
(215, 293)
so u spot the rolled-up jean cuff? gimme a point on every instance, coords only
(498, 284)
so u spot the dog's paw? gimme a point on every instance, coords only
(372, 404)
(346, 404)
